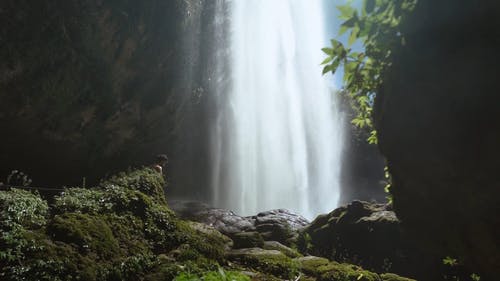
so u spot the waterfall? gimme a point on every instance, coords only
(276, 140)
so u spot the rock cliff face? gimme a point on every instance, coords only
(439, 127)
(369, 235)
(92, 86)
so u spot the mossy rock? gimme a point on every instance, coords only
(89, 233)
(394, 277)
(268, 261)
(145, 180)
(211, 245)
(326, 270)
(345, 272)
(203, 229)
(129, 231)
(275, 245)
(310, 264)
(249, 239)
(133, 192)
(163, 271)
(118, 231)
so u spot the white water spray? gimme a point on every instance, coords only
(277, 140)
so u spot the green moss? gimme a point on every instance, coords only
(89, 233)
(164, 271)
(129, 231)
(47, 260)
(216, 275)
(274, 245)
(326, 270)
(345, 272)
(209, 244)
(137, 196)
(303, 244)
(267, 261)
(145, 180)
(310, 264)
(394, 277)
(247, 240)
(118, 231)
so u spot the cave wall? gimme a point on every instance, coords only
(88, 87)
(437, 117)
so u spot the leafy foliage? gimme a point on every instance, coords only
(455, 271)
(388, 184)
(22, 208)
(116, 231)
(377, 25)
(19, 210)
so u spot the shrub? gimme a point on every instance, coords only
(219, 275)
(145, 180)
(80, 200)
(21, 213)
(119, 230)
(22, 208)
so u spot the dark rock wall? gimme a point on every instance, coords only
(369, 235)
(362, 171)
(92, 86)
(439, 127)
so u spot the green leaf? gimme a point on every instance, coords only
(369, 6)
(335, 64)
(346, 11)
(328, 51)
(327, 69)
(353, 37)
(372, 139)
(351, 66)
(327, 60)
(450, 261)
(336, 43)
(362, 100)
(343, 29)
(351, 22)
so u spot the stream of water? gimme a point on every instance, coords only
(277, 140)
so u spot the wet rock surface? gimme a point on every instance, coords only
(363, 233)
(366, 235)
(276, 225)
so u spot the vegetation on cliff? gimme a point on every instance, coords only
(123, 229)
(436, 120)
(377, 25)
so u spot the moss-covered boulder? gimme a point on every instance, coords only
(123, 230)
(325, 270)
(393, 277)
(268, 261)
(363, 233)
(120, 230)
(89, 233)
(248, 239)
(275, 245)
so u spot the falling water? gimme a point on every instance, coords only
(277, 137)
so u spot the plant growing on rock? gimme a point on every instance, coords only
(116, 231)
(377, 25)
